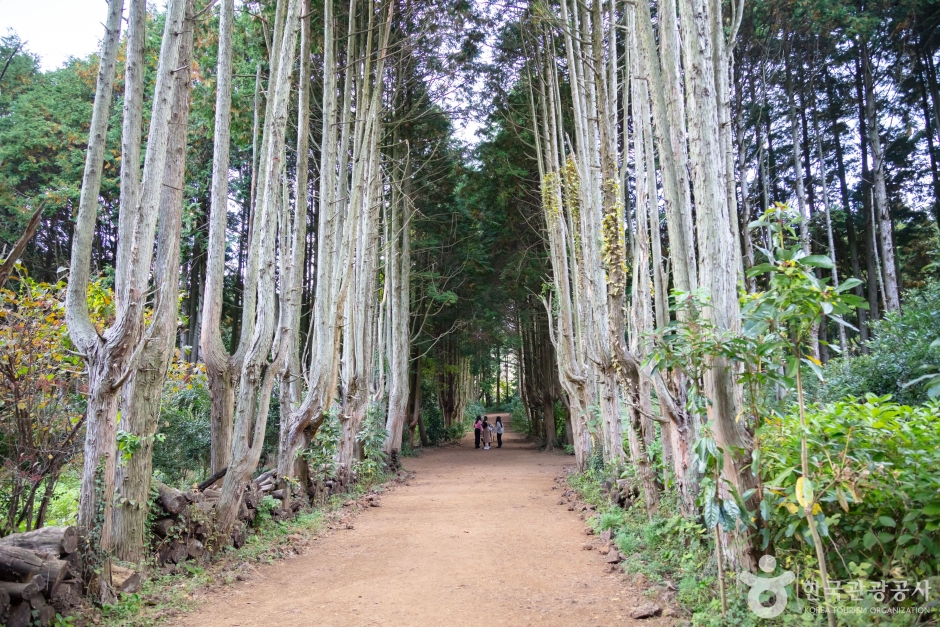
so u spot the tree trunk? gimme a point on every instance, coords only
(140, 402)
(258, 375)
(111, 357)
(718, 273)
(861, 314)
(882, 210)
(219, 366)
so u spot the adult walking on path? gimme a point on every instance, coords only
(499, 432)
(416, 560)
(477, 428)
(487, 433)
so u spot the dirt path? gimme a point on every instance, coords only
(475, 538)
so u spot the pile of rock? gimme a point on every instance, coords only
(622, 492)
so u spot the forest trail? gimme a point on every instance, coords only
(475, 537)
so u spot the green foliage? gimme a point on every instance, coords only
(372, 438)
(904, 347)
(434, 423)
(266, 509)
(472, 410)
(41, 408)
(796, 299)
(321, 453)
(520, 418)
(717, 508)
(181, 455)
(876, 484)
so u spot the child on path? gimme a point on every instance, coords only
(499, 432)
(487, 434)
(476, 432)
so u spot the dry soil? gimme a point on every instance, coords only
(475, 537)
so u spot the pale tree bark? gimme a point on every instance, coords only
(264, 360)
(563, 329)
(140, 402)
(360, 308)
(292, 248)
(744, 232)
(824, 178)
(416, 403)
(110, 356)
(220, 368)
(599, 246)
(638, 390)
(669, 125)
(344, 202)
(663, 74)
(797, 152)
(718, 270)
(399, 280)
(892, 299)
(613, 250)
(102, 371)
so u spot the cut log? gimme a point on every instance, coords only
(212, 479)
(54, 572)
(17, 563)
(212, 494)
(172, 553)
(242, 510)
(238, 537)
(206, 506)
(251, 499)
(265, 476)
(4, 605)
(17, 592)
(195, 548)
(125, 580)
(68, 594)
(21, 615)
(37, 600)
(46, 615)
(170, 499)
(278, 494)
(53, 540)
(163, 526)
(74, 560)
(195, 497)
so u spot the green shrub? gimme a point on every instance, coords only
(898, 353)
(372, 438)
(182, 456)
(875, 463)
(520, 417)
(433, 422)
(321, 452)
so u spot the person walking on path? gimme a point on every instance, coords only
(499, 432)
(477, 426)
(487, 434)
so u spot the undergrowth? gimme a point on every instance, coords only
(677, 553)
(164, 597)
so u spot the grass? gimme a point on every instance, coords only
(675, 553)
(164, 597)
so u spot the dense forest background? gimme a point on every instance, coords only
(834, 116)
